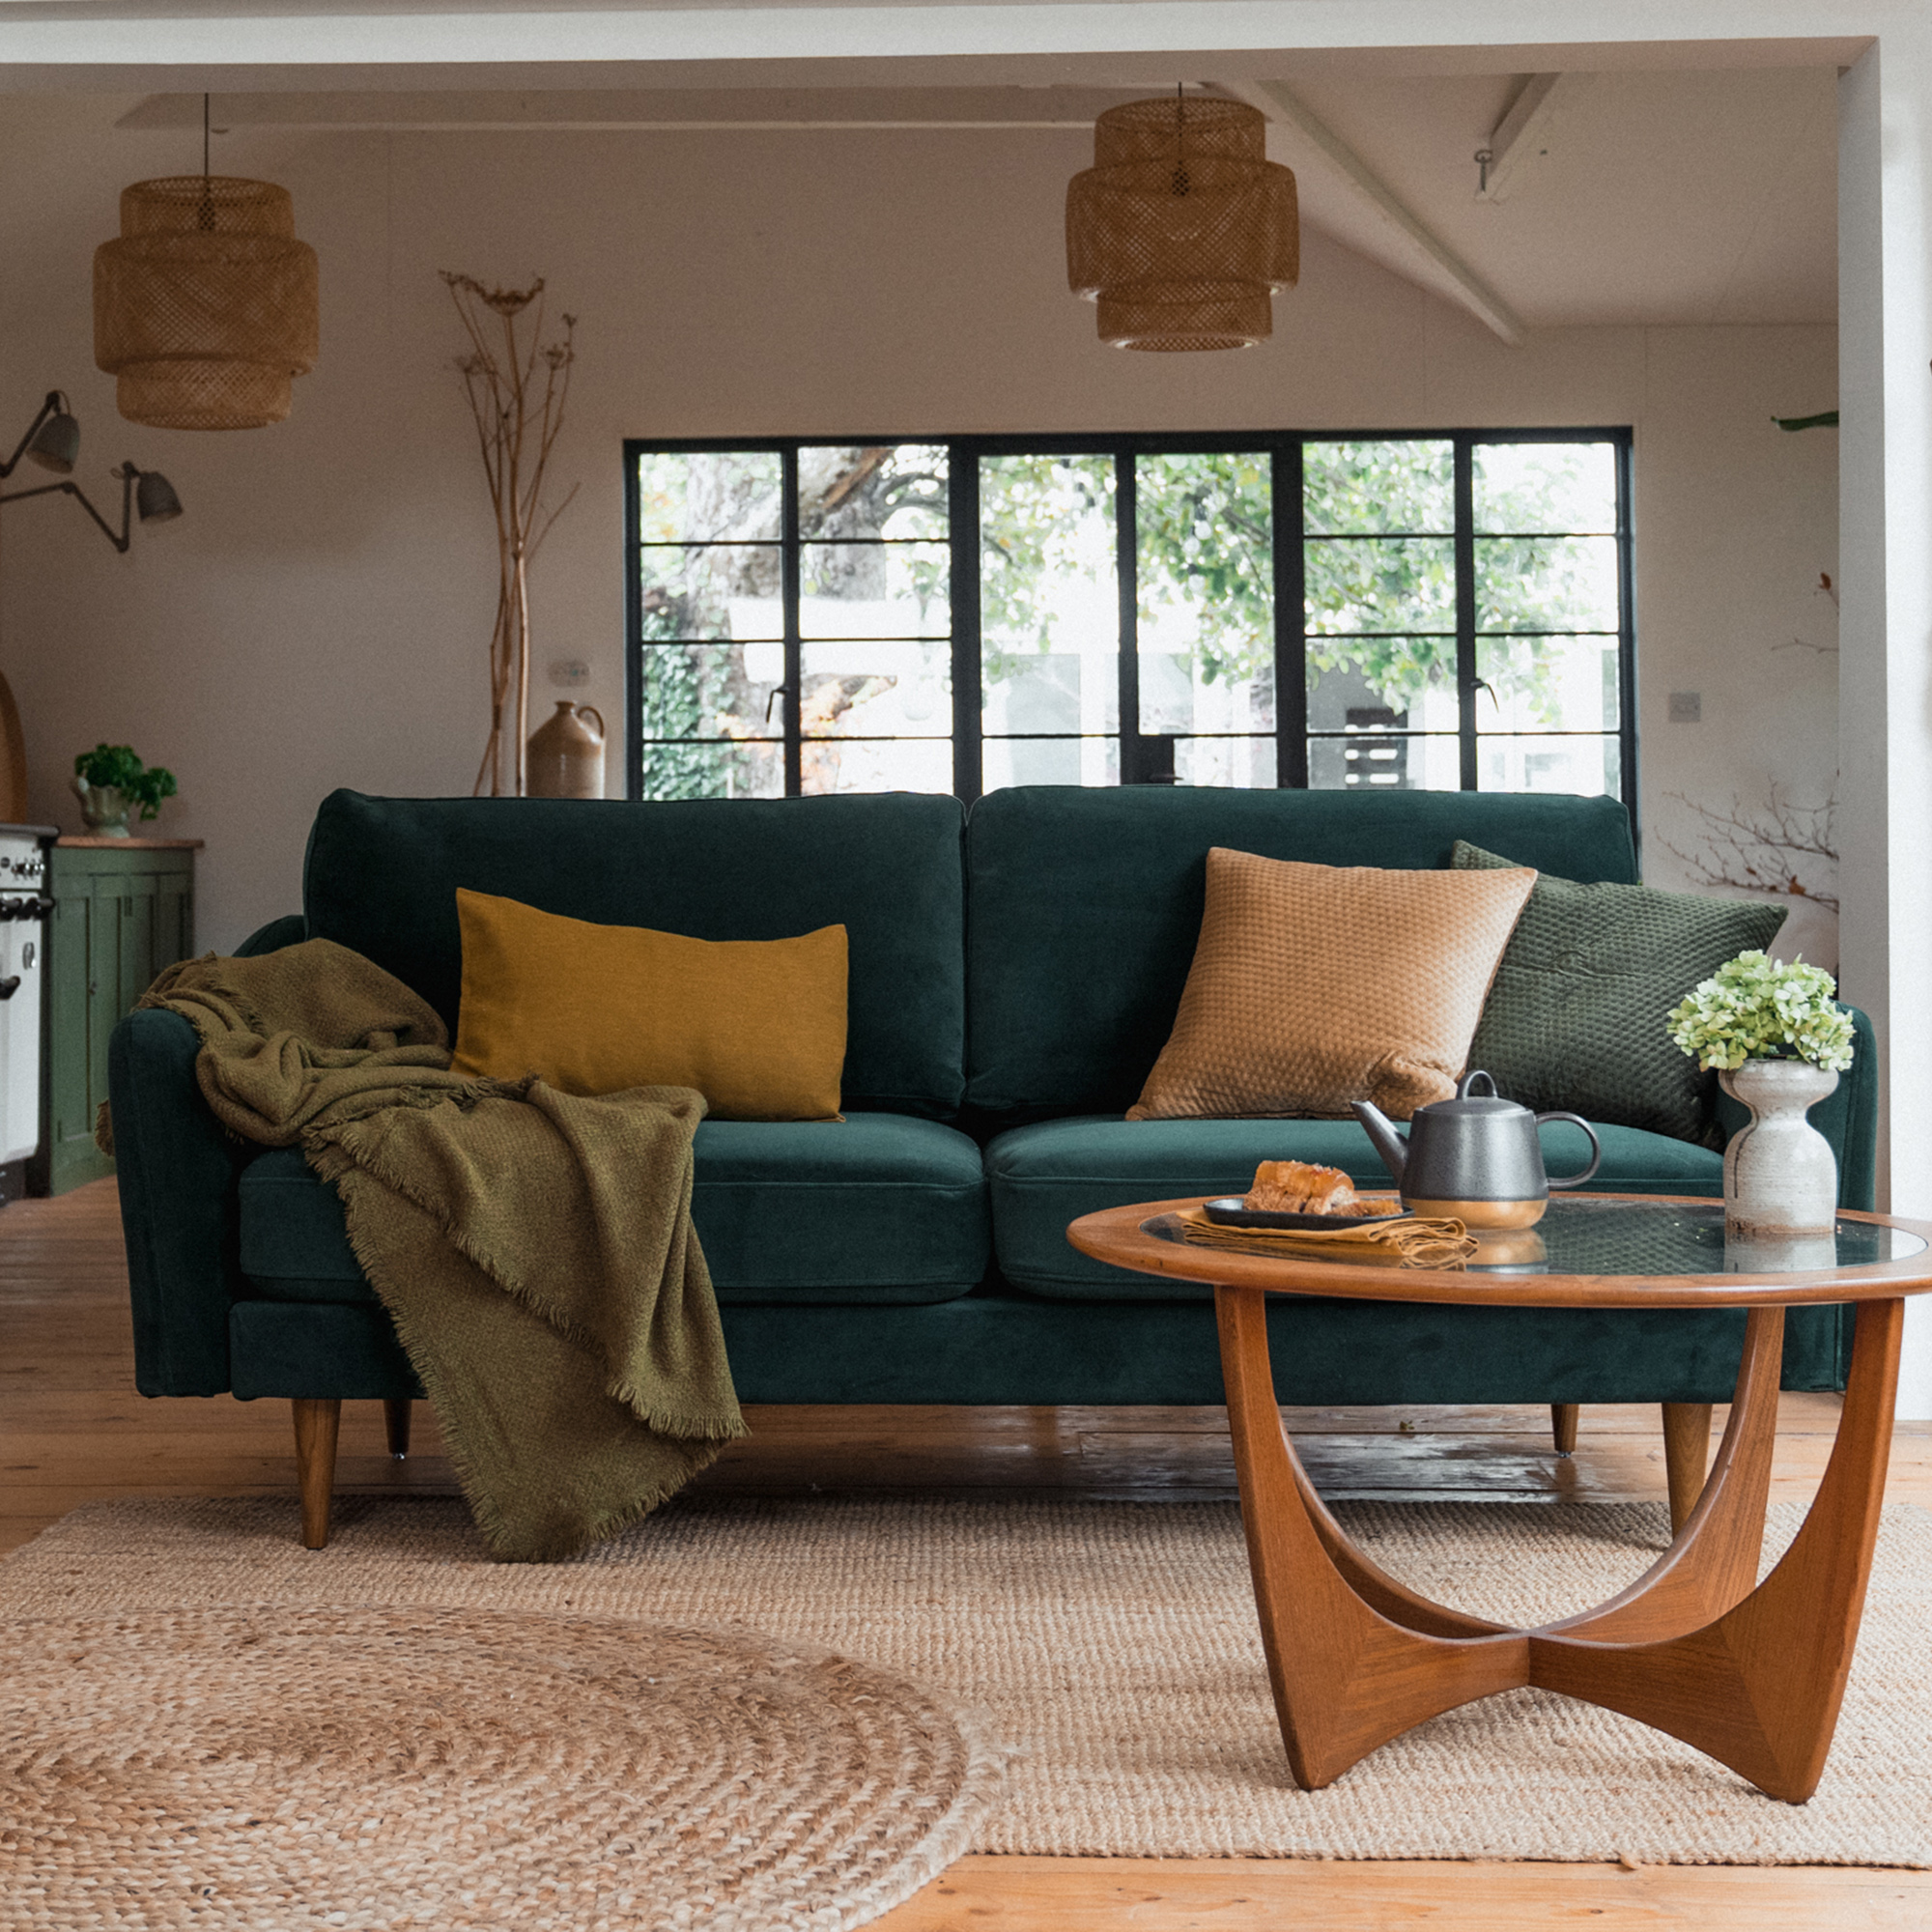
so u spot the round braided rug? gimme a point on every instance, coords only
(396, 1769)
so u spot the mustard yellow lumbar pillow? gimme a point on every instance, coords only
(1315, 985)
(757, 1026)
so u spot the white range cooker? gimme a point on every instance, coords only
(25, 906)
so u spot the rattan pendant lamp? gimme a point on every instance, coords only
(1183, 230)
(204, 307)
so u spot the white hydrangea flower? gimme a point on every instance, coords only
(1753, 1008)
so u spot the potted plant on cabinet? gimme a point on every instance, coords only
(113, 781)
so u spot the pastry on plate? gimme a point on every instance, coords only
(1300, 1188)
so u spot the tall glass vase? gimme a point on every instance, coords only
(1780, 1175)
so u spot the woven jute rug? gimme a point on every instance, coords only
(275, 1767)
(1115, 1645)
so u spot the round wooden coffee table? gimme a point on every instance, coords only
(1752, 1673)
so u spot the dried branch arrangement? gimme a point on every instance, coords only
(1762, 848)
(517, 384)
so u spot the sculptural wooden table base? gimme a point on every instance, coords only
(1752, 1673)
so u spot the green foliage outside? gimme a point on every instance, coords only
(1380, 558)
(116, 768)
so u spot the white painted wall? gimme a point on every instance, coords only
(319, 616)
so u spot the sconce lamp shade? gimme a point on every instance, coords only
(206, 306)
(154, 498)
(56, 443)
(1183, 230)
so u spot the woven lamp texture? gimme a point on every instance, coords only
(1183, 229)
(206, 306)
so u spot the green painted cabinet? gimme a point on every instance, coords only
(122, 909)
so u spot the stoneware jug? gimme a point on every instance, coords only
(566, 754)
(1476, 1157)
(1780, 1175)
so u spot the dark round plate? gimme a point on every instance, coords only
(1229, 1213)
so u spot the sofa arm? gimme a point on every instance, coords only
(1848, 1119)
(290, 929)
(180, 1207)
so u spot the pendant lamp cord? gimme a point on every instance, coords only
(1180, 183)
(205, 215)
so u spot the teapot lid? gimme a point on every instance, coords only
(1468, 1102)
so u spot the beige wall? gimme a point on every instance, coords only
(320, 615)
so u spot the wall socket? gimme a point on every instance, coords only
(1686, 707)
(573, 674)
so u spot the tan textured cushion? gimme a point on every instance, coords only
(1315, 985)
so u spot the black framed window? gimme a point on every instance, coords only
(1389, 610)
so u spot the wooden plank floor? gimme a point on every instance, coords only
(71, 1430)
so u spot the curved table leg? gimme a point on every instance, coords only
(1754, 1677)
(1346, 1677)
(1760, 1687)
(1713, 1562)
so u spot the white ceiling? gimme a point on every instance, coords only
(1639, 196)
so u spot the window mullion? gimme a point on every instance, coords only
(1126, 560)
(1627, 642)
(794, 655)
(1291, 617)
(1465, 608)
(962, 470)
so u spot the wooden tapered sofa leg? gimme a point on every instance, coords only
(317, 1420)
(396, 1410)
(1563, 1425)
(1686, 1456)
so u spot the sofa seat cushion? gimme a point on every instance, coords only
(878, 1208)
(1044, 1175)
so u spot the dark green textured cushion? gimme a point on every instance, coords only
(1575, 1018)
(1084, 906)
(878, 1208)
(383, 872)
(1046, 1174)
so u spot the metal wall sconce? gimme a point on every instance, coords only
(53, 441)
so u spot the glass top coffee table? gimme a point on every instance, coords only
(1754, 1674)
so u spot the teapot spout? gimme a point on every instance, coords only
(1381, 1131)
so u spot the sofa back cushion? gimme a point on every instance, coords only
(1084, 907)
(383, 872)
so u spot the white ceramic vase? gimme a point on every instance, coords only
(1780, 1176)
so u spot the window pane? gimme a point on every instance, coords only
(727, 769)
(875, 490)
(729, 590)
(1380, 486)
(1205, 580)
(875, 590)
(1245, 763)
(1049, 601)
(710, 496)
(1407, 683)
(1546, 486)
(1049, 762)
(1382, 584)
(1585, 764)
(860, 764)
(868, 688)
(1548, 684)
(1545, 584)
(1373, 758)
(710, 691)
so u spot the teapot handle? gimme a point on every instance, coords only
(1596, 1150)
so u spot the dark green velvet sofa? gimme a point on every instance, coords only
(1014, 972)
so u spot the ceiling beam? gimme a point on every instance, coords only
(1522, 136)
(1407, 244)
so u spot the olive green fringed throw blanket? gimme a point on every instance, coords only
(533, 1248)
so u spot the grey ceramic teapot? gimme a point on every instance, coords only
(1476, 1157)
